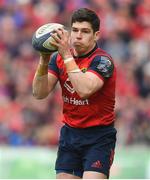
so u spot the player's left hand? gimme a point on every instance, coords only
(62, 39)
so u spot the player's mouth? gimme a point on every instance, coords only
(77, 43)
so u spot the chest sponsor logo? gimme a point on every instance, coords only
(74, 101)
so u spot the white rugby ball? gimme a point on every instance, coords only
(41, 40)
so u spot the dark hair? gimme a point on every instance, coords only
(88, 15)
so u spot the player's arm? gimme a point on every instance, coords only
(91, 81)
(85, 84)
(43, 82)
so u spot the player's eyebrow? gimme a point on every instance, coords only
(84, 29)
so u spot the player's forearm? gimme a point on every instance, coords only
(83, 83)
(40, 86)
(40, 82)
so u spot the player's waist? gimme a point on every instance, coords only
(91, 128)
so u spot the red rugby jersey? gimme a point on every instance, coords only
(98, 109)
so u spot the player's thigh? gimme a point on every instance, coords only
(93, 175)
(64, 175)
(98, 160)
(68, 158)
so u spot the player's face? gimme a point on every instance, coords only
(83, 39)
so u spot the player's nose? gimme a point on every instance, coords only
(79, 34)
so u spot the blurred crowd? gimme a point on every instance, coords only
(125, 34)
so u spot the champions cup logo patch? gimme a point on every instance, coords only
(104, 64)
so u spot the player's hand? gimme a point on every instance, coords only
(62, 41)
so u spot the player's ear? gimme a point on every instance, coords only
(97, 35)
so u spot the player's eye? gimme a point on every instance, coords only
(74, 30)
(86, 31)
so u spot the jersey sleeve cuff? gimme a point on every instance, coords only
(53, 72)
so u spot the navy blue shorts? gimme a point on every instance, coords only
(89, 149)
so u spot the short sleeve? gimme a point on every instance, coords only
(102, 65)
(52, 66)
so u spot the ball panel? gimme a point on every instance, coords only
(47, 44)
(41, 31)
(42, 38)
(37, 43)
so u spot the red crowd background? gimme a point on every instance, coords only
(125, 34)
